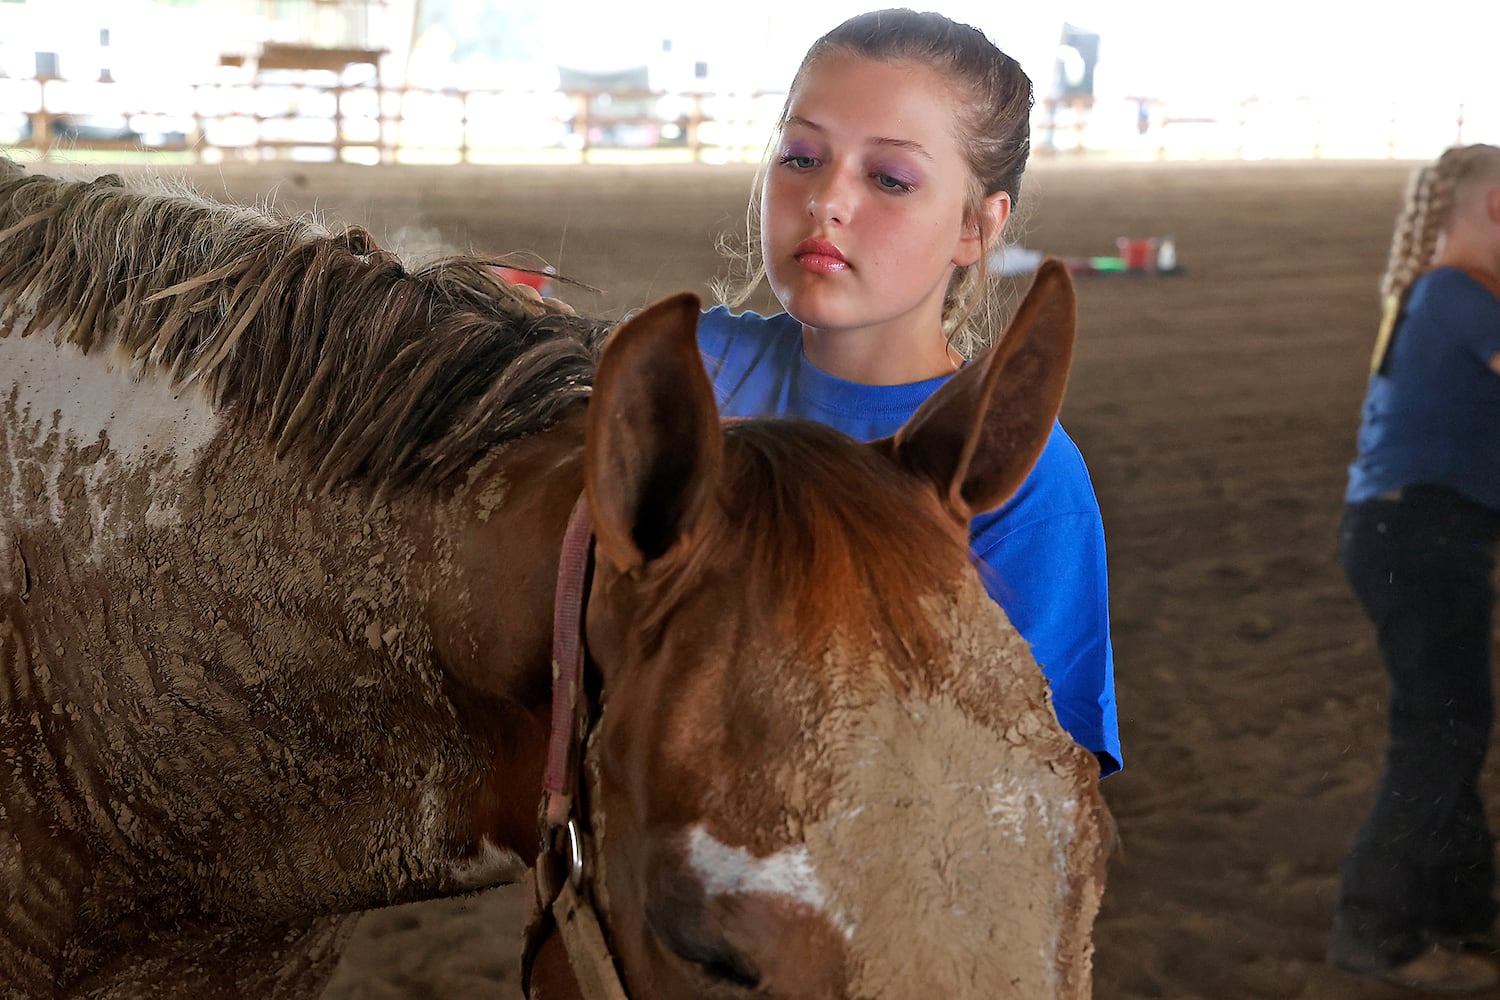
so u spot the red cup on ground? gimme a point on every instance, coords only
(1139, 255)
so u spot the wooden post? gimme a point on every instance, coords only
(411, 43)
(338, 121)
(581, 122)
(196, 140)
(400, 129)
(695, 144)
(1081, 108)
(41, 124)
(379, 113)
(463, 126)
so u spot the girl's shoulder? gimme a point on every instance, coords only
(1060, 481)
(1058, 485)
(1456, 306)
(1466, 286)
(720, 327)
(735, 344)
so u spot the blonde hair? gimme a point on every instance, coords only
(994, 135)
(1430, 199)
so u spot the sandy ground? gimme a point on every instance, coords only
(1216, 409)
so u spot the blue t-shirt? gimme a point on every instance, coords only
(1041, 555)
(1433, 414)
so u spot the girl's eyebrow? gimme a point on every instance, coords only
(909, 145)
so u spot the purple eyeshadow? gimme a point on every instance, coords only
(898, 174)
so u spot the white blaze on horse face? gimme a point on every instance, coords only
(58, 402)
(788, 874)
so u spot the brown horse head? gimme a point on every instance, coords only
(826, 765)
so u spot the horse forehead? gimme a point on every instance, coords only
(802, 712)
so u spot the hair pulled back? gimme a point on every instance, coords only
(993, 129)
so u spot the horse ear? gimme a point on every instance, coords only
(978, 436)
(653, 444)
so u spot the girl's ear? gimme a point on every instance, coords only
(974, 243)
(1492, 205)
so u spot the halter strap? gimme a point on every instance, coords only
(567, 665)
(560, 897)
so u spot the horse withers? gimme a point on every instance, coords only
(280, 531)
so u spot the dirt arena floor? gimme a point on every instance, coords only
(1216, 409)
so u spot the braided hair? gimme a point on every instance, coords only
(1430, 198)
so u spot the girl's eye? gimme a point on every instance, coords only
(890, 183)
(800, 161)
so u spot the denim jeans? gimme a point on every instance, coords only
(1423, 865)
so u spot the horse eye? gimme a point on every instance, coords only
(689, 927)
(730, 968)
(698, 941)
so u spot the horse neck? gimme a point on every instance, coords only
(396, 652)
(489, 577)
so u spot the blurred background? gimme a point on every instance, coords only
(483, 81)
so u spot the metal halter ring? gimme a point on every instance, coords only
(575, 854)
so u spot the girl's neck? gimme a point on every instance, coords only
(871, 358)
(1468, 253)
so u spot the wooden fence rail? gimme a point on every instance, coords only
(263, 120)
(298, 119)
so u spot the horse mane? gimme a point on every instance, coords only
(827, 525)
(373, 371)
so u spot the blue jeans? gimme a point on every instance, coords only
(1422, 868)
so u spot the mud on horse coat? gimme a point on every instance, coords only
(280, 522)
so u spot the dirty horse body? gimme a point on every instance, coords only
(279, 531)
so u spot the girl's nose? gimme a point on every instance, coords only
(830, 201)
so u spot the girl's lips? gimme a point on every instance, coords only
(820, 256)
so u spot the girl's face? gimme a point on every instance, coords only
(862, 212)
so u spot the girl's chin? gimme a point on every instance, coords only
(818, 319)
(815, 310)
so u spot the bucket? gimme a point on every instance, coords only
(1138, 255)
(541, 282)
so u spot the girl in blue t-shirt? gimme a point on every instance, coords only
(895, 166)
(896, 163)
(1418, 544)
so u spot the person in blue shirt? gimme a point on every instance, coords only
(895, 165)
(1418, 544)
